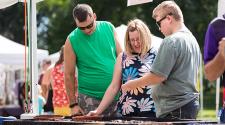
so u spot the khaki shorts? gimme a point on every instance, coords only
(88, 104)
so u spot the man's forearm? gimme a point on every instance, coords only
(148, 79)
(70, 89)
(214, 68)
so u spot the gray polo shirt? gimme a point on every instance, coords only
(178, 60)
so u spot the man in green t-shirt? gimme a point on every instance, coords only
(92, 47)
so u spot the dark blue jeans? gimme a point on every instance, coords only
(188, 111)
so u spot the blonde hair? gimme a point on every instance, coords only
(168, 8)
(145, 36)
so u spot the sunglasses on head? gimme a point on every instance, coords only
(88, 26)
(158, 23)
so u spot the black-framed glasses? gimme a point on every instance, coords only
(158, 23)
(88, 26)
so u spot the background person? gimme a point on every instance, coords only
(41, 101)
(60, 98)
(214, 54)
(45, 86)
(47, 91)
(44, 66)
(214, 49)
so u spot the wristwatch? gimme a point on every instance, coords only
(73, 105)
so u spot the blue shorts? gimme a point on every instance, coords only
(188, 111)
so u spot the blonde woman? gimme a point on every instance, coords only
(133, 63)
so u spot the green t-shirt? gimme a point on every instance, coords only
(95, 58)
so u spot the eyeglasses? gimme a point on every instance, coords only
(158, 23)
(88, 26)
(133, 40)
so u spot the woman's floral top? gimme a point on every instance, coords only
(137, 102)
(60, 98)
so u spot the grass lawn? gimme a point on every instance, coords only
(209, 108)
(207, 114)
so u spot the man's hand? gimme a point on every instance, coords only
(222, 47)
(76, 110)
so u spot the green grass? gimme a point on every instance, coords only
(209, 105)
(207, 114)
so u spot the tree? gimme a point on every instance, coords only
(12, 22)
(55, 19)
(59, 13)
(60, 21)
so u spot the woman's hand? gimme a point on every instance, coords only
(93, 113)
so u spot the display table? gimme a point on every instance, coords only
(107, 121)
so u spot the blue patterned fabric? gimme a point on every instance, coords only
(137, 102)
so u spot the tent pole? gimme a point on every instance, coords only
(201, 86)
(33, 61)
(217, 95)
(33, 57)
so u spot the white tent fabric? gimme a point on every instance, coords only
(121, 30)
(135, 2)
(12, 53)
(54, 57)
(221, 8)
(7, 3)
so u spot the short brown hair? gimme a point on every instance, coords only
(145, 36)
(168, 7)
(81, 12)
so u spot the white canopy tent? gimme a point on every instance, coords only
(135, 2)
(12, 53)
(12, 60)
(7, 3)
(121, 30)
(221, 8)
(33, 49)
(54, 57)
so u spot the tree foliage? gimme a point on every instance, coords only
(55, 19)
(12, 22)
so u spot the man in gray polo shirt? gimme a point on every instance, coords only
(175, 69)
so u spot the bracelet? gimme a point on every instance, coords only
(73, 105)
